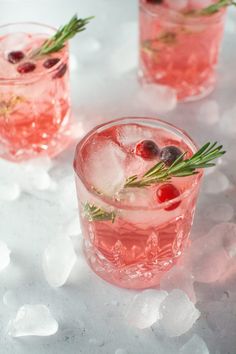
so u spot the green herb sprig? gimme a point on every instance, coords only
(94, 213)
(180, 168)
(214, 8)
(59, 39)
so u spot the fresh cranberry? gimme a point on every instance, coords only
(61, 71)
(169, 154)
(49, 63)
(147, 149)
(155, 1)
(167, 192)
(26, 68)
(15, 56)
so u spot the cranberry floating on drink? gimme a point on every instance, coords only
(180, 42)
(34, 88)
(137, 183)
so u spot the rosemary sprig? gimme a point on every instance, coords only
(180, 168)
(214, 8)
(94, 213)
(59, 39)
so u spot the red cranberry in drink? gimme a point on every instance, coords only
(169, 154)
(49, 63)
(26, 68)
(61, 71)
(167, 192)
(15, 56)
(147, 149)
(156, 2)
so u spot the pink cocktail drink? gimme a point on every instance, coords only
(178, 48)
(133, 235)
(34, 94)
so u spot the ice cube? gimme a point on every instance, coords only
(58, 260)
(216, 183)
(105, 169)
(124, 57)
(195, 345)
(14, 41)
(199, 4)
(210, 255)
(10, 299)
(179, 278)
(177, 4)
(178, 314)
(4, 255)
(33, 320)
(144, 309)
(158, 98)
(9, 191)
(36, 176)
(73, 228)
(132, 134)
(209, 112)
(221, 212)
(67, 194)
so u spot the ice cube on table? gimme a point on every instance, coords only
(10, 299)
(105, 167)
(144, 309)
(210, 255)
(73, 228)
(178, 314)
(58, 260)
(9, 191)
(33, 320)
(4, 255)
(195, 345)
(157, 98)
(209, 112)
(216, 183)
(179, 278)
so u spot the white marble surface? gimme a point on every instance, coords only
(90, 312)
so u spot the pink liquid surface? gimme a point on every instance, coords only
(34, 106)
(145, 240)
(178, 51)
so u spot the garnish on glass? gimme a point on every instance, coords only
(94, 213)
(179, 168)
(172, 164)
(212, 9)
(60, 38)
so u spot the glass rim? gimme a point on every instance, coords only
(176, 17)
(118, 204)
(34, 76)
